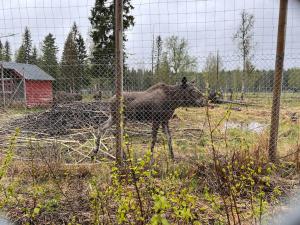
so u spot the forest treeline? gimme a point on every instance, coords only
(91, 68)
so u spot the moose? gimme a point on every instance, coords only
(156, 105)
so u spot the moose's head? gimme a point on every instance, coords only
(188, 94)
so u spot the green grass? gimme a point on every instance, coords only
(187, 134)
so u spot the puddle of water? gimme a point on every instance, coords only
(4, 220)
(253, 126)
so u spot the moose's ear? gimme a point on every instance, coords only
(184, 82)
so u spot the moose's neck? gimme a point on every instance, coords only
(174, 97)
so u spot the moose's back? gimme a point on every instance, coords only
(149, 105)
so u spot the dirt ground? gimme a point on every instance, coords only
(74, 129)
(52, 177)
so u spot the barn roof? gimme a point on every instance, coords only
(28, 71)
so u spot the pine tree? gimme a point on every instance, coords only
(34, 56)
(81, 55)
(48, 61)
(81, 49)
(24, 52)
(70, 65)
(7, 52)
(20, 55)
(159, 45)
(102, 21)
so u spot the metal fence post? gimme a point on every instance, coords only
(3, 85)
(119, 78)
(278, 80)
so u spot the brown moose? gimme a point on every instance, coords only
(156, 105)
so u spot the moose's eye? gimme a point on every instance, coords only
(195, 93)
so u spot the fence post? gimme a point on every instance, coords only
(24, 89)
(2, 84)
(119, 79)
(278, 80)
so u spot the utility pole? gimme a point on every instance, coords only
(152, 58)
(281, 35)
(119, 79)
(218, 84)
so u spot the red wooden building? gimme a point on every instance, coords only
(25, 83)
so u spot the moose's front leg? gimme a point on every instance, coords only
(155, 127)
(166, 129)
(107, 124)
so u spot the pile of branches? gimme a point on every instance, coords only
(62, 119)
(62, 97)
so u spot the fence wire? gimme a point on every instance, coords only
(58, 75)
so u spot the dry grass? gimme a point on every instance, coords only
(189, 129)
(52, 172)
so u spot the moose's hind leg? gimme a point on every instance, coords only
(166, 130)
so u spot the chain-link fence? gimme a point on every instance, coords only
(184, 61)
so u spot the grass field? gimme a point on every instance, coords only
(191, 132)
(220, 174)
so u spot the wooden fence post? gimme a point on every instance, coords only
(119, 79)
(278, 80)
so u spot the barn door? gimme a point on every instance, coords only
(12, 88)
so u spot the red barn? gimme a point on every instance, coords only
(25, 83)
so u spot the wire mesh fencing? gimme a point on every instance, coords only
(184, 62)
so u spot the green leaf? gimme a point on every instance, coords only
(36, 211)
(164, 221)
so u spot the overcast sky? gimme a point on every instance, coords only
(207, 25)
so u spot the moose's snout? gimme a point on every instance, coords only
(202, 102)
(205, 101)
